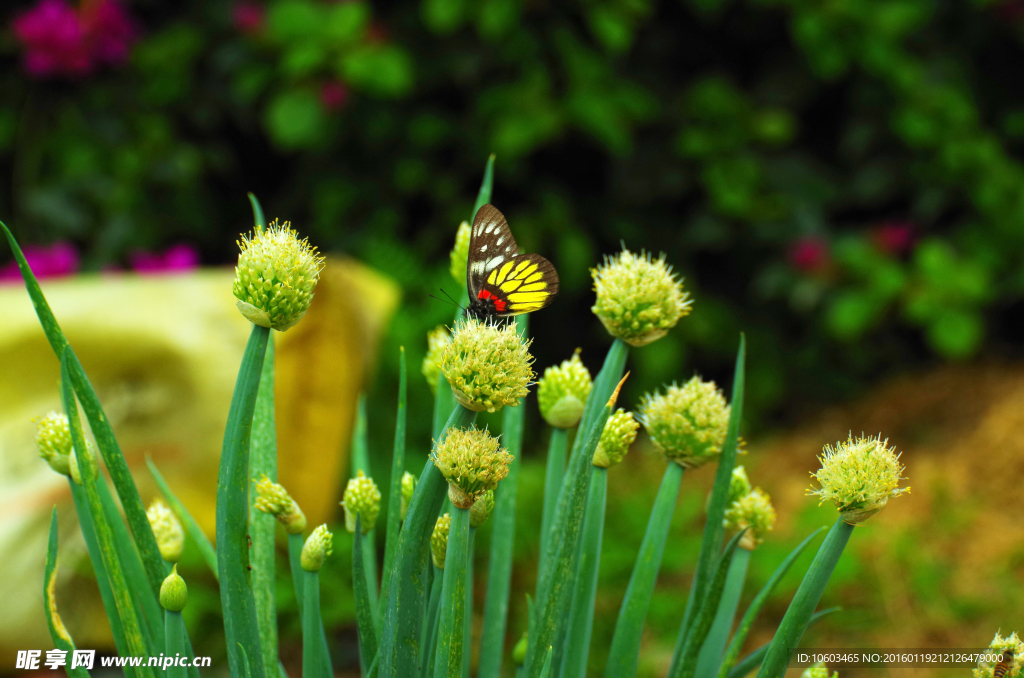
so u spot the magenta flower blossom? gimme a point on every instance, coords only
(894, 237)
(248, 17)
(809, 254)
(333, 95)
(62, 41)
(177, 259)
(56, 261)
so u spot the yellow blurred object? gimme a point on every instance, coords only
(163, 353)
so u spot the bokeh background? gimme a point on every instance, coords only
(840, 179)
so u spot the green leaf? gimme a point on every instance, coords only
(61, 638)
(713, 529)
(98, 422)
(404, 607)
(754, 658)
(443, 17)
(296, 120)
(581, 618)
(710, 657)
(394, 516)
(90, 475)
(558, 448)
(191, 526)
(294, 20)
(798, 614)
(452, 615)
(625, 648)
(382, 70)
(429, 649)
(240, 626)
(733, 651)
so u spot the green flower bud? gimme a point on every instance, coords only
(316, 549)
(53, 438)
(472, 462)
(408, 487)
(170, 537)
(618, 434)
(818, 670)
(362, 498)
(487, 366)
(173, 592)
(437, 339)
(562, 392)
(859, 476)
(739, 485)
(639, 299)
(439, 540)
(687, 423)
(274, 499)
(460, 253)
(753, 510)
(519, 651)
(275, 276)
(76, 472)
(998, 646)
(481, 509)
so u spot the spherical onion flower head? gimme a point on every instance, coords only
(687, 423)
(487, 365)
(859, 476)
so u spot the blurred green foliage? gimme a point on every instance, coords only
(839, 178)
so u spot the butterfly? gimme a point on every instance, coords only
(501, 281)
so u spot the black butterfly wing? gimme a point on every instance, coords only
(490, 244)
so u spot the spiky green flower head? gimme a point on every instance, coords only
(318, 546)
(362, 498)
(996, 648)
(439, 540)
(487, 365)
(408, 487)
(639, 299)
(687, 423)
(275, 276)
(173, 592)
(274, 499)
(752, 512)
(170, 537)
(460, 253)
(859, 477)
(481, 509)
(437, 339)
(472, 462)
(562, 392)
(818, 670)
(53, 438)
(618, 434)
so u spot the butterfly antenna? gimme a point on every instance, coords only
(452, 300)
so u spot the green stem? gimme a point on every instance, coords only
(604, 384)
(733, 651)
(295, 543)
(794, 623)
(240, 627)
(711, 541)
(555, 473)
(625, 649)
(262, 526)
(312, 647)
(395, 491)
(58, 633)
(365, 623)
(448, 663)
(581, 619)
(404, 608)
(709, 658)
(361, 462)
(467, 625)
(175, 630)
(430, 625)
(747, 664)
(90, 475)
(503, 534)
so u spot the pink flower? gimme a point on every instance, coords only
(894, 237)
(333, 95)
(58, 260)
(248, 17)
(59, 40)
(809, 254)
(177, 259)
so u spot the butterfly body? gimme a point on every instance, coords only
(502, 282)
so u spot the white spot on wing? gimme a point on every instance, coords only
(483, 248)
(492, 262)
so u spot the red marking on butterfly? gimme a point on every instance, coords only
(499, 303)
